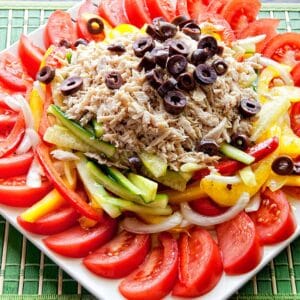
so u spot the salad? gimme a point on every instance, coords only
(158, 144)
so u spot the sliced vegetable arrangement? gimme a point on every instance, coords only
(155, 140)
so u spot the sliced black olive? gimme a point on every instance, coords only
(209, 147)
(178, 47)
(154, 32)
(209, 44)
(176, 64)
(113, 80)
(167, 30)
(205, 74)
(174, 102)
(167, 86)
(296, 168)
(64, 43)
(142, 45)
(155, 78)
(283, 165)
(156, 21)
(161, 56)
(45, 74)
(186, 81)
(192, 30)
(220, 50)
(179, 19)
(249, 107)
(147, 62)
(182, 24)
(95, 25)
(71, 85)
(199, 56)
(116, 48)
(220, 66)
(81, 42)
(135, 163)
(240, 141)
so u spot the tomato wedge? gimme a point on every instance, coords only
(119, 257)
(196, 8)
(181, 8)
(216, 6)
(15, 192)
(8, 119)
(261, 26)
(161, 8)
(52, 223)
(295, 118)
(239, 244)
(205, 206)
(78, 242)
(296, 74)
(154, 278)
(274, 221)
(136, 12)
(284, 47)
(239, 13)
(30, 55)
(59, 27)
(200, 264)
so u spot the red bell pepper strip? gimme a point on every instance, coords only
(229, 167)
(72, 197)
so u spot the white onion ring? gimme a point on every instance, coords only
(64, 155)
(136, 226)
(26, 111)
(250, 40)
(224, 179)
(34, 178)
(254, 203)
(30, 139)
(12, 103)
(206, 221)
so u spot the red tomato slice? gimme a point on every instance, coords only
(15, 192)
(154, 278)
(12, 74)
(205, 206)
(30, 55)
(137, 12)
(52, 223)
(296, 74)
(181, 8)
(59, 27)
(161, 8)
(239, 244)
(8, 118)
(295, 118)
(227, 34)
(261, 26)
(200, 264)
(274, 221)
(284, 47)
(239, 13)
(196, 8)
(15, 165)
(216, 6)
(119, 257)
(79, 242)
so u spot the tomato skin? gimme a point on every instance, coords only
(279, 227)
(136, 12)
(241, 252)
(119, 257)
(200, 264)
(155, 277)
(161, 8)
(196, 8)
(78, 242)
(205, 206)
(181, 8)
(30, 55)
(294, 118)
(14, 192)
(216, 6)
(277, 47)
(59, 27)
(52, 223)
(296, 74)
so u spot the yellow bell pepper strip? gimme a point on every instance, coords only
(36, 106)
(121, 29)
(292, 180)
(292, 92)
(289, 142)
(70, 174)
(228, 195)
(275, 182)
(49, 203)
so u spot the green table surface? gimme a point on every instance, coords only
(25, 273)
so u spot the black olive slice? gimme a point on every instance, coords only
(161, 56)
(118, 48)
(147, 62)
(205, 74)
(199, 56)
(179, 19)
(135, 163)
(296, 168)
(95, 25)
(167, 86)
(154, 32)
(178, 47)
(249, 107)
(142, 45)
(283, 165)
(174, 102)
(167, 30)
(81, 42)
(240, 141)
(113, 80)
(64, 43)
(155, 78)
(71, 85)
(209, 44)
(220, 66)
(192, 30)
(46, 74)
(209, 147)
(185, 81)
(156, 21)
(176, 64)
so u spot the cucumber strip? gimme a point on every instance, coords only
(237, 154)
(82, 133)
(154, 164)
(160, 201)
(98, 128)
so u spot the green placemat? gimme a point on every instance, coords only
(25, 273)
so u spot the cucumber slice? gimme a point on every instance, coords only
(98, 128)
(160, 201)
(237, 154)
(154, 164)
(82, 133)
(145, 185)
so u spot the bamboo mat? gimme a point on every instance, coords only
(25, 273)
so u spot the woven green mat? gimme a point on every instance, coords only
(25, 273)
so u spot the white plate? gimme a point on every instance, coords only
(107, 289)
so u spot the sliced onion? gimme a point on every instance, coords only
(250, 40)
(34, 137)
(30, 139)
(224, 179)
(136, 226)
(283, 72)
(254, 203)
(26, 111)
(206, 221)
(64, 155)
(34, 178)
(12, 103)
